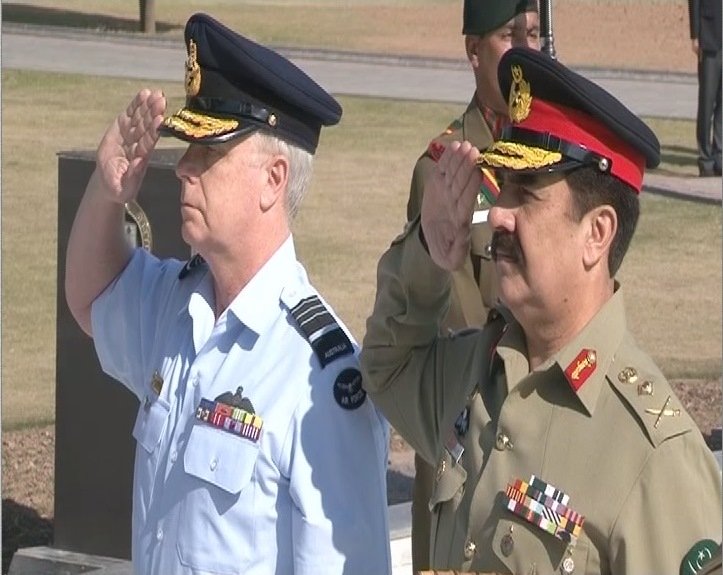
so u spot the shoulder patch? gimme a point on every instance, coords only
(436, 147)
(651, 398)
(348, 391)
(195, 262)
(435, 150)
(326, 337)
(697, 560)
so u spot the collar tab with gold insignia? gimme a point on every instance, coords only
(581, 368)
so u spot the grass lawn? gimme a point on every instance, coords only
(672, 275)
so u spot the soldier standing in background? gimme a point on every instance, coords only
(490, 28)
(705, 33)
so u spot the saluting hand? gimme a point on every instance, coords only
(449, 201)
(124, 151)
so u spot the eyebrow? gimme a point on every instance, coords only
(520, 179)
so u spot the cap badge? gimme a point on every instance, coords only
(193, 71)
(520, 99)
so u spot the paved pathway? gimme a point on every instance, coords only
(663, 95)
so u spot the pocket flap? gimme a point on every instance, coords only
(520, 545)
(219, 457)
(449, 480)
(151, 422)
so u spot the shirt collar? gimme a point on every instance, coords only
(588, 356)
(596, 344)
(480, 118)
(257, 304)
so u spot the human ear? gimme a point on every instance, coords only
(601, 225)
(277, 175)
(471, 45)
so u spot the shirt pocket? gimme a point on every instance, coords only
(446, 495)
(216, 531)
(525, 548)
(151, 422)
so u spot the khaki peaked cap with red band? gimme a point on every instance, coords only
(235, 86)
(560, 120)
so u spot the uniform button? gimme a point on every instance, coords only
(469, 549)
(214, 463)
(507, 545)
(159, 534)
(195, 381)
(174, 456)
(568, 565)
(503, 442)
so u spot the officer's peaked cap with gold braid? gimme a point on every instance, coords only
(560, 120)
(235, 86)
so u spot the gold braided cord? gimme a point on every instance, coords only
(517, 156)
(199, 125)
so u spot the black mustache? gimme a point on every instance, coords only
(505, 244)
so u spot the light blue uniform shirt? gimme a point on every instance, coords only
(309, 496)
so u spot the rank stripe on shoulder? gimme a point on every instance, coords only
(326, 337)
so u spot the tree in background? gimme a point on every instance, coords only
(148, 16)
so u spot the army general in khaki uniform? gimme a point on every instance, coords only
(490, 28)
(569, 452)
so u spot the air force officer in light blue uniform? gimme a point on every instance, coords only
(258, 451)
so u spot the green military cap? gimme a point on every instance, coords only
(482, 16)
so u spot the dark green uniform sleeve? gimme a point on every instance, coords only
(420, 175)
(419, 380)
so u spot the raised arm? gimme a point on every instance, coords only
(418, 379)
(97, 248)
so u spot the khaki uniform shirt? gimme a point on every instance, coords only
(646, 483)
(468, 284)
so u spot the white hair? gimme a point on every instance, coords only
(300, 168)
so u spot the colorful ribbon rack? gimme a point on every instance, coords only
(545, 506)
(232, 419)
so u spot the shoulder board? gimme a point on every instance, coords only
(650, 397)
(327, 338)
(195, 262)
(436, 147)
